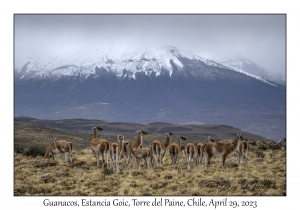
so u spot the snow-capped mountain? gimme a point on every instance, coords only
(151, 84)
(125, 63)
(84, 62)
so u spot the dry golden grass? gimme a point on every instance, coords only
(264, 175)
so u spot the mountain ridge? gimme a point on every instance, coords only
(122, 63)
(240, 63)
(129, 129)
(190, 90)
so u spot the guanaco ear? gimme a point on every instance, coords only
(144, 132)
(100, 129)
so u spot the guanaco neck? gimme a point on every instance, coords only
(46, 154)
(95, 133)
(168, 139)
(121, 145)
(235, 145)
(139, 142)
(179, 144)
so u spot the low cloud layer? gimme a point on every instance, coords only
(260, 38)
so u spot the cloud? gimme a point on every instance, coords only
(261, 38)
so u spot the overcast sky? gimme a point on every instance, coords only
(260, 38)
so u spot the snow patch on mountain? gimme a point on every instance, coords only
(254, 76)
(84, 61)
(245, 66)
(150, 60)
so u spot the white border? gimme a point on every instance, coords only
(9, 8)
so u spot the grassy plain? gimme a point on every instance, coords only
(265, 174)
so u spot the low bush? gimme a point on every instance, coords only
(35, 151)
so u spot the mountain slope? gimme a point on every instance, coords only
(123, 63)
(242, 64)
(151, 85)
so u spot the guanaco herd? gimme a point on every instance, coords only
(154, 154)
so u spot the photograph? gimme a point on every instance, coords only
(162, 105)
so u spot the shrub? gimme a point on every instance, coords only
(108, 171)
(146, 194)
(274, 147)
(35, 151)
(260, 154)
(20, 150)
(263, 147)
